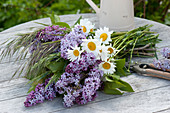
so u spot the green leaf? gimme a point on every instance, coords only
(62, 24)
(54, 18)
(112, 91)
(109, 79)
(114, 76)
(121, 72)
(57, 18)
(113, 85)
(38, 78)
(127, 87)
(56, 66)
(31, 89)
(78, 21)
(120, 63)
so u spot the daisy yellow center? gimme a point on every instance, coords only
(103, 36)
(76, 53)
(110, 50)
(92, 46)
(106, 65)
(91, 30)
(84, 29)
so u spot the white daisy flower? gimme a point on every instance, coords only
(87, 25)
(107, 67)
(74, 54)
(112, 51)
(103, 34)
(91, 46)
(104, 53)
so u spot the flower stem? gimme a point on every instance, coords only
(131, 54)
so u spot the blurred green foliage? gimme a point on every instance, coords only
(13, 12)
(156, 10)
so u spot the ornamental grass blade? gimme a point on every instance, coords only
(42, 24)
(55, 77)
(62, 24)
(15, 72)
(78, 21)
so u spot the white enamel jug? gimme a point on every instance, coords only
(118, 15)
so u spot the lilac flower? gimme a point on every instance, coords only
(40, 88)
(74, 38)
(96, 73)
(36, 96)
(60, 86)
(75, 92)
(48, 34)
(39, 98)
(89, 90)
(166, 52)
(51, 33)
(87, 60)
(66, 79)
(162, 64)
(68, 100)
(50, 93)
(40, 94)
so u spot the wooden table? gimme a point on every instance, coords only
(152, 95)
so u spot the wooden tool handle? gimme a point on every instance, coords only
(159, 74)
(152, 65)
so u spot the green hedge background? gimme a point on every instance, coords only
(13, 12)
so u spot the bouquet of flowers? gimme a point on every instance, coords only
(77, 61)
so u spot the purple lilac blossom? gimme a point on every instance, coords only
(89, 90)
(74, 38)
(162, 64)
(48, 34)
(36, 96)
(166, 52)
(50, 92)
(51, 33)
(69, 98)
(69, 84)
(87, 60)
(40, 94)
(75, 92)
(67, 79)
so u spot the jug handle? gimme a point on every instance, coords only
(93, 5)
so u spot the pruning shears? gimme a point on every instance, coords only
(150, 70)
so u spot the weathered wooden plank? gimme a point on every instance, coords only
(139, 83)
(13, 58)
(147, 101)
(163, 111)
(13, 82)
(8, 69)
(143, 102)
(16, 89)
